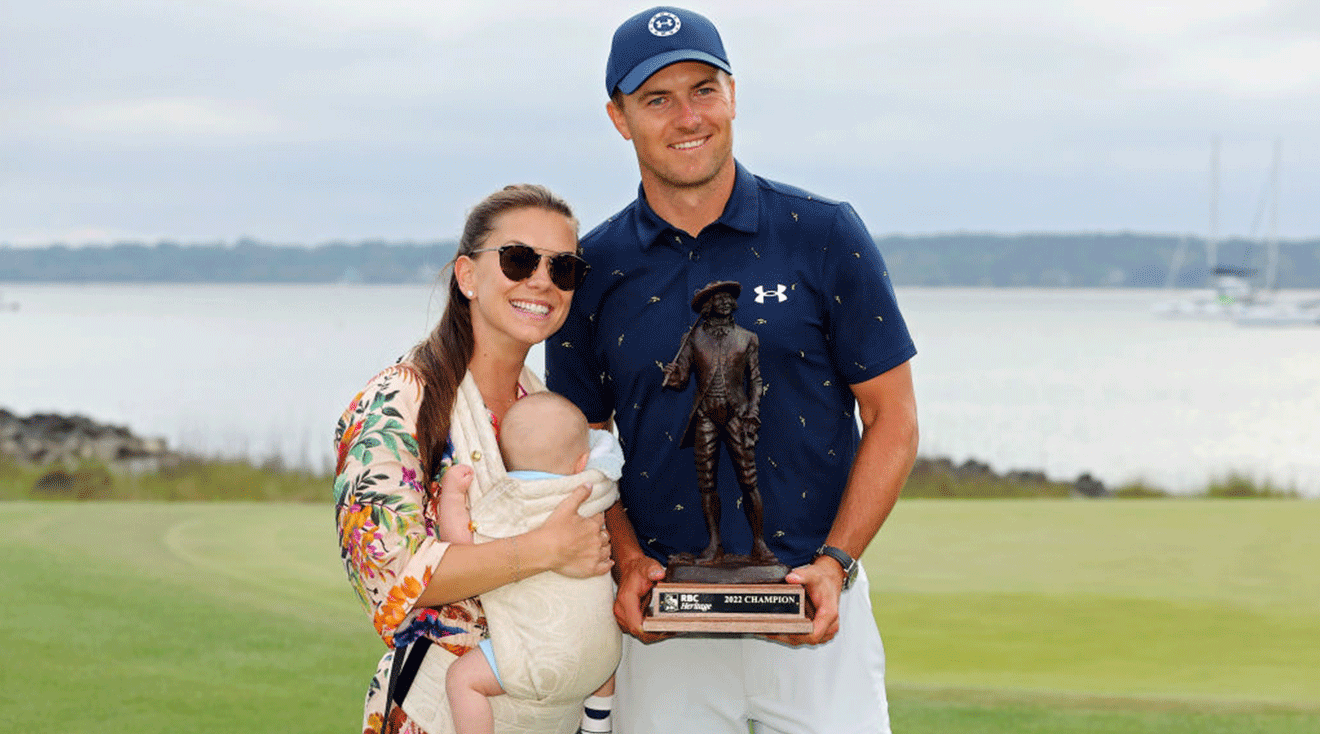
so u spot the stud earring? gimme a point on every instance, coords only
(470, 294)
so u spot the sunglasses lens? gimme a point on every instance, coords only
(567, 271)
(518, 261)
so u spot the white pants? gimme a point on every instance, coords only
(717, 685)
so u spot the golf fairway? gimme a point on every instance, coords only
(1169, 616)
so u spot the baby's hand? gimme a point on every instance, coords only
(457, 480)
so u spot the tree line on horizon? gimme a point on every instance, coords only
(961, 259)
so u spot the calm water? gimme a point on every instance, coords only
(1062, 380)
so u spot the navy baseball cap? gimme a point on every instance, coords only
(656, 38)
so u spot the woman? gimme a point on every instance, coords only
(510, 286)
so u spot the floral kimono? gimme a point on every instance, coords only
(388, 534)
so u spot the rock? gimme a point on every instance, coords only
(54, 483)
(84, 484)
(1023, 476)
(1088, 486)
(943, 478)
(974, 468)
(74, 441)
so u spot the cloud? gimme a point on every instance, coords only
(314, 119)
(1261, 69)
(151, 121)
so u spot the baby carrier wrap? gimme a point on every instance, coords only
(555, 637)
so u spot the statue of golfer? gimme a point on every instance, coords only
(727, 408)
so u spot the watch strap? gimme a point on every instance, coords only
(848, 563)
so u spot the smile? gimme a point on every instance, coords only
(690, 144)
(533, 309)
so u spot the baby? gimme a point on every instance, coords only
(543, 435)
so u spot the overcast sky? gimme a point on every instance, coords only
(307, 121)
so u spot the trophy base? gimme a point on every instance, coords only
(775, 608)
(685, 568)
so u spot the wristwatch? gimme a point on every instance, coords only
(848, 562)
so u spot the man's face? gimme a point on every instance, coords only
(680, 122)
(722, 304)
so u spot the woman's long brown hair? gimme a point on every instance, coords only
(442, 358)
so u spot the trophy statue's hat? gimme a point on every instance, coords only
(732, 287)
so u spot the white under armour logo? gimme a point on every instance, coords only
(664, 24)
(780, 292)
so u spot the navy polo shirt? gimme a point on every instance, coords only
(815, 291)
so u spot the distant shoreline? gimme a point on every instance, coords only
(1061, 260)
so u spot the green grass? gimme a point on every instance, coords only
(190, 480)
(921, 712)
(1000, 617)
(1160, 616)
(204, 480)
(178, 617)
(940, 479)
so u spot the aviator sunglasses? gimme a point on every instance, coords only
(518, 262)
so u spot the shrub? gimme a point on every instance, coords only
(187, 480)
(1239, 486)
(1139, 489)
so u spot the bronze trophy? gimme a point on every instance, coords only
(714, 591)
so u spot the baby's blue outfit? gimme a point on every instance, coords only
(533, 474)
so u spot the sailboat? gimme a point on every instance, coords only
(1231, 286)
(1269, 309)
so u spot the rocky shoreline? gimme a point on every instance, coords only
(972, 471)
(47, 439)
(67, 443)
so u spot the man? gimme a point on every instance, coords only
(833, 348)
(724, 357)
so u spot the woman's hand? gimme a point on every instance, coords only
(575, 546)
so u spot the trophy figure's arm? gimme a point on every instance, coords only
(678, 372)
(754, 388)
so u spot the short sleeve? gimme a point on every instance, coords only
(867, 333)
(388, 546)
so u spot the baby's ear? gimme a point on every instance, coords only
(582, 462)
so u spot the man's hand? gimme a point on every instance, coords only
(823, 579)
(636, 579)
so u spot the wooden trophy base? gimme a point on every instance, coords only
(732, 596)
(734, 608)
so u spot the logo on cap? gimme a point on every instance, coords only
(664, 24)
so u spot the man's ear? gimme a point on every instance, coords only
(733, 98)
(617, 117)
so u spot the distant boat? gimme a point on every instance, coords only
(1280, 313)
(7, 305)
(1268, 308)
(1234, 294)
(1230, 288)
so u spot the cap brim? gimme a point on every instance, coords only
(644, 70)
